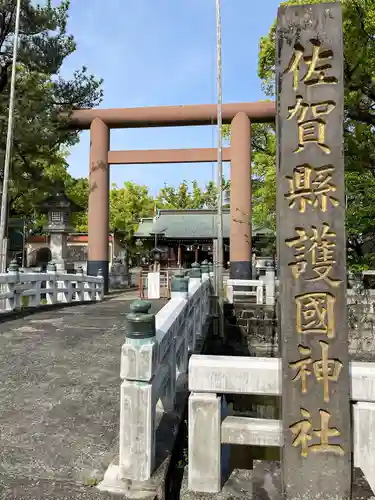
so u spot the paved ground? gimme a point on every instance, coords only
(59, 394)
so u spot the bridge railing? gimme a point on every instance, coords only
(263, 290)
(212, 376)
(163, 283)
(20, 289)
(154, 364)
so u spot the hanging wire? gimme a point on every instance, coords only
(220, 240)
(213, 163)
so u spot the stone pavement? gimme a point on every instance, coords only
(59, 393)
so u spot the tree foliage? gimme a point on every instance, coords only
(41, 95)
(183, 197)
(128, 205)
(359, 121)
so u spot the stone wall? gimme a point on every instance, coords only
(252, 330)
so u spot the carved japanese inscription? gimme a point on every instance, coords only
(311, 252)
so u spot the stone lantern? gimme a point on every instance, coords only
(59, 208)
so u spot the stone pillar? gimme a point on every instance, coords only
(195, 273)
(179, 256)
(364, 439)
(51, 285)
(240, 198)
(98, 212)
(137, 408)
(194, 281)
(204, 467)
(313, 324)
(205, 270)
(180, 286)
(13, 301)
(59, 246)
(270, 285)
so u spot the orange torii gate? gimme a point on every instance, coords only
(101, 121)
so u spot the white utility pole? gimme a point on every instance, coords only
(8, 149)
(220, 241)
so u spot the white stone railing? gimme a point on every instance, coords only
(20, 289)
(213, 375)
(256, 290)
(154, 364)
(262, 289)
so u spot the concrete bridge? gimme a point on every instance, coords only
(59, 385)
(70, 430)
(66, 424)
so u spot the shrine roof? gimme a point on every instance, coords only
(187, 224)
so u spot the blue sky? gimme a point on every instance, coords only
(163, 52)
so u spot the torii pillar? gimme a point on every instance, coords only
(98, 210)
(240, 198)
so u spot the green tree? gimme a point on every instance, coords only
(359, 61)
(78, 191)
(128, 205)
(359, 120)
(183, 198)
(42, 96)
(360, 216)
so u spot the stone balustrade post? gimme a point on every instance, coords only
(51, 284)
(270, 285)
(137, 406)
(88, 292)
(180, 289)
(99, 288)
(14, 268)
(80, 284)
(195, 273)
(63, 286)
(13, 302)
(205, 270)
(196, 277)
(180, 285)
(364, 439)
(204, 466)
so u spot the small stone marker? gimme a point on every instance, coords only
(153, 285)
(316, 457)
